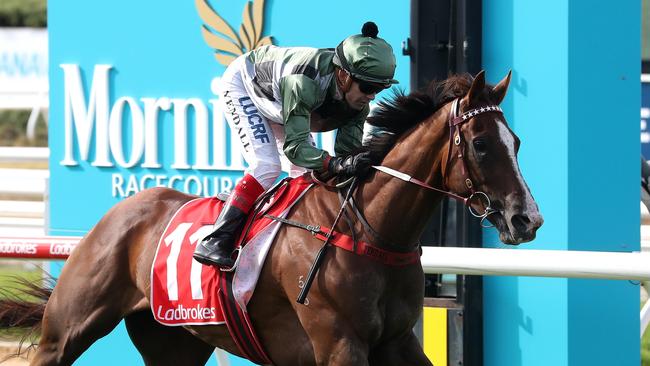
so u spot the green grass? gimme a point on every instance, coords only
(10, 287)
(9, 274)
(13, 126)
(23, 13)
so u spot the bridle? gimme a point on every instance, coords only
(455, 121)
(456, 139)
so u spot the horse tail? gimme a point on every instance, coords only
(22, 305)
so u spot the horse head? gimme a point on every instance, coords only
(485, 160)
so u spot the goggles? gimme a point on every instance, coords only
(369, 88)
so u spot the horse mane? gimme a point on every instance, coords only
(401, 112)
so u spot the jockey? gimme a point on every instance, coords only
(274, 97)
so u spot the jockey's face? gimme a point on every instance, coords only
(361, 93)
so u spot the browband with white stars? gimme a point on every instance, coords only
(475, 112)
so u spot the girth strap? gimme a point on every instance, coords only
(384, 256)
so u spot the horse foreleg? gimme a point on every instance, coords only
(404, 351)
(345, 351)
(334, 341)
(160, 345)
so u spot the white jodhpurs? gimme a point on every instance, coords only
(261, 139)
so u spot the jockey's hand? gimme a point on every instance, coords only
(356, 165)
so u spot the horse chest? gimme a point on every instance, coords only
(387, 307)
(400, 314)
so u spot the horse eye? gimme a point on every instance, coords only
(479, 146)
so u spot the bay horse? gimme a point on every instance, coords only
(360, 311)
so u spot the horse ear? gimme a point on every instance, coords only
(477, 87)
(499, 90)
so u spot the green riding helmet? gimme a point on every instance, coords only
(367, 57)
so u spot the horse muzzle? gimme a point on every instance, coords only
(520, 227)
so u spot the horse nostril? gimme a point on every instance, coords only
(520, 222)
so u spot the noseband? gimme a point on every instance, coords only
(455, 121)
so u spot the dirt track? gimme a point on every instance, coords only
(7, 348)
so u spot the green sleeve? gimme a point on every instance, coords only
(300, 95)
(348, 136)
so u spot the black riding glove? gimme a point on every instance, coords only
(356, 165)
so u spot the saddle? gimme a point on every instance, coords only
(185, 292)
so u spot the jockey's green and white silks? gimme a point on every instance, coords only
(260, 139)
(293, 86)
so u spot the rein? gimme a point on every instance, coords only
(302, 296)
(456, 139)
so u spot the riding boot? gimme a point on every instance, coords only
(216, 249)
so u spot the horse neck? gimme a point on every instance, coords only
(398, 210)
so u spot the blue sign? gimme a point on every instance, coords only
(645, 116)
(134, 102)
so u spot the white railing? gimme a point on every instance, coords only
(24, 182)
(538, 263)
(24, 154)
(542, 263)
(22, 206)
